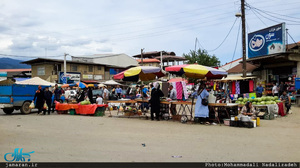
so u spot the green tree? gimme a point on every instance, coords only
(201, 57)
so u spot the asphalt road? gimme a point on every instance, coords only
(67, 138)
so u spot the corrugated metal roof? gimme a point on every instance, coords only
(148, 61)
(14, 70)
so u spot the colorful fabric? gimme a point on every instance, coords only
(186, 96)
(237, 87)
(179, 90)
(233, 88)
(251, 86)
(215, 85)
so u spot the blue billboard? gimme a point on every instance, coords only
(71, 77)
(267, 41)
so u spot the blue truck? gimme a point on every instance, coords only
(17, 97)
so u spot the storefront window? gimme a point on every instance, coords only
(91, 68)
(41, 71)
(74, 67)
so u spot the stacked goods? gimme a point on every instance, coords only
(85, 102)
(265, 100)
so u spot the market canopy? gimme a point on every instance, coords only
(111, 82)
(196, 71)
(144, 73)
(36, 81)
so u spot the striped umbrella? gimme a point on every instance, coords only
(81, 85)
(196, 71)
(143, 73)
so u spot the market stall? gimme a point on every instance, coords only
(197, 72)
(142, 73)
(90, 109)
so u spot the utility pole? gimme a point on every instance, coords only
(65, 68)
(244, 37)
(142, 50)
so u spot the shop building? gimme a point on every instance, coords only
(52, 70)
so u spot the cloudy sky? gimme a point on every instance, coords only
(39, 28)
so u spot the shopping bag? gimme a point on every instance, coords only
(45, 106)
(31, 106)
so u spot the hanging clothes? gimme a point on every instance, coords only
(215, 85)
(211, 83)
(237, 87)
(185, 93)
(179, 90)
(244, 87)
(251, 86)
(233, 87)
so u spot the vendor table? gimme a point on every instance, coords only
(217, 107)
(271, 109)
(65, 106)
(122, 102)
(88, 109)
(183, 106)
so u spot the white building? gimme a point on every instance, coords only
(119, 60)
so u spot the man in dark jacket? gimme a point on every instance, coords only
(90, 95)
(57, 94)
(48, 99)
(156, 94)
(39, 97)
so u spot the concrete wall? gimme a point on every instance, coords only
(82, 68)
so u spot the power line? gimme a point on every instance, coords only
(225, 37)
(291, 37)
(258, 17)
(236, 43)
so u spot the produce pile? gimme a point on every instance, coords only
(265, 100)
(85, 102)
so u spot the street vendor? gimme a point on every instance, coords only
(259, 90)
(172, 96)
(286, 100)
(249, 110)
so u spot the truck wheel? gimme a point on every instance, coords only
(8, 110)
(25, 108)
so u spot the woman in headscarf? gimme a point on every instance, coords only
(201, 111)
(39, 97)
(156, 94)
(249, 110)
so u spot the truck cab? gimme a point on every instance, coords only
(17, 97)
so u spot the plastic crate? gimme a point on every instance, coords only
(100, 111)
(72, 112)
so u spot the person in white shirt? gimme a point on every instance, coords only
(67, 94)
(275, 90)
(173, 96)
(99, 100)
(105, 94)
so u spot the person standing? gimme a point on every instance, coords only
(99, 99)
(80, 95)
(275, 90)
(156, 94)
(259, 90)
(172, 96)
(57, 94)
(286, 100)
(67, 94)
(281, 88)
(90, 95)
(105, 94)
(201, 111)
(48, 99)
(119, 91)
(39, 98)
